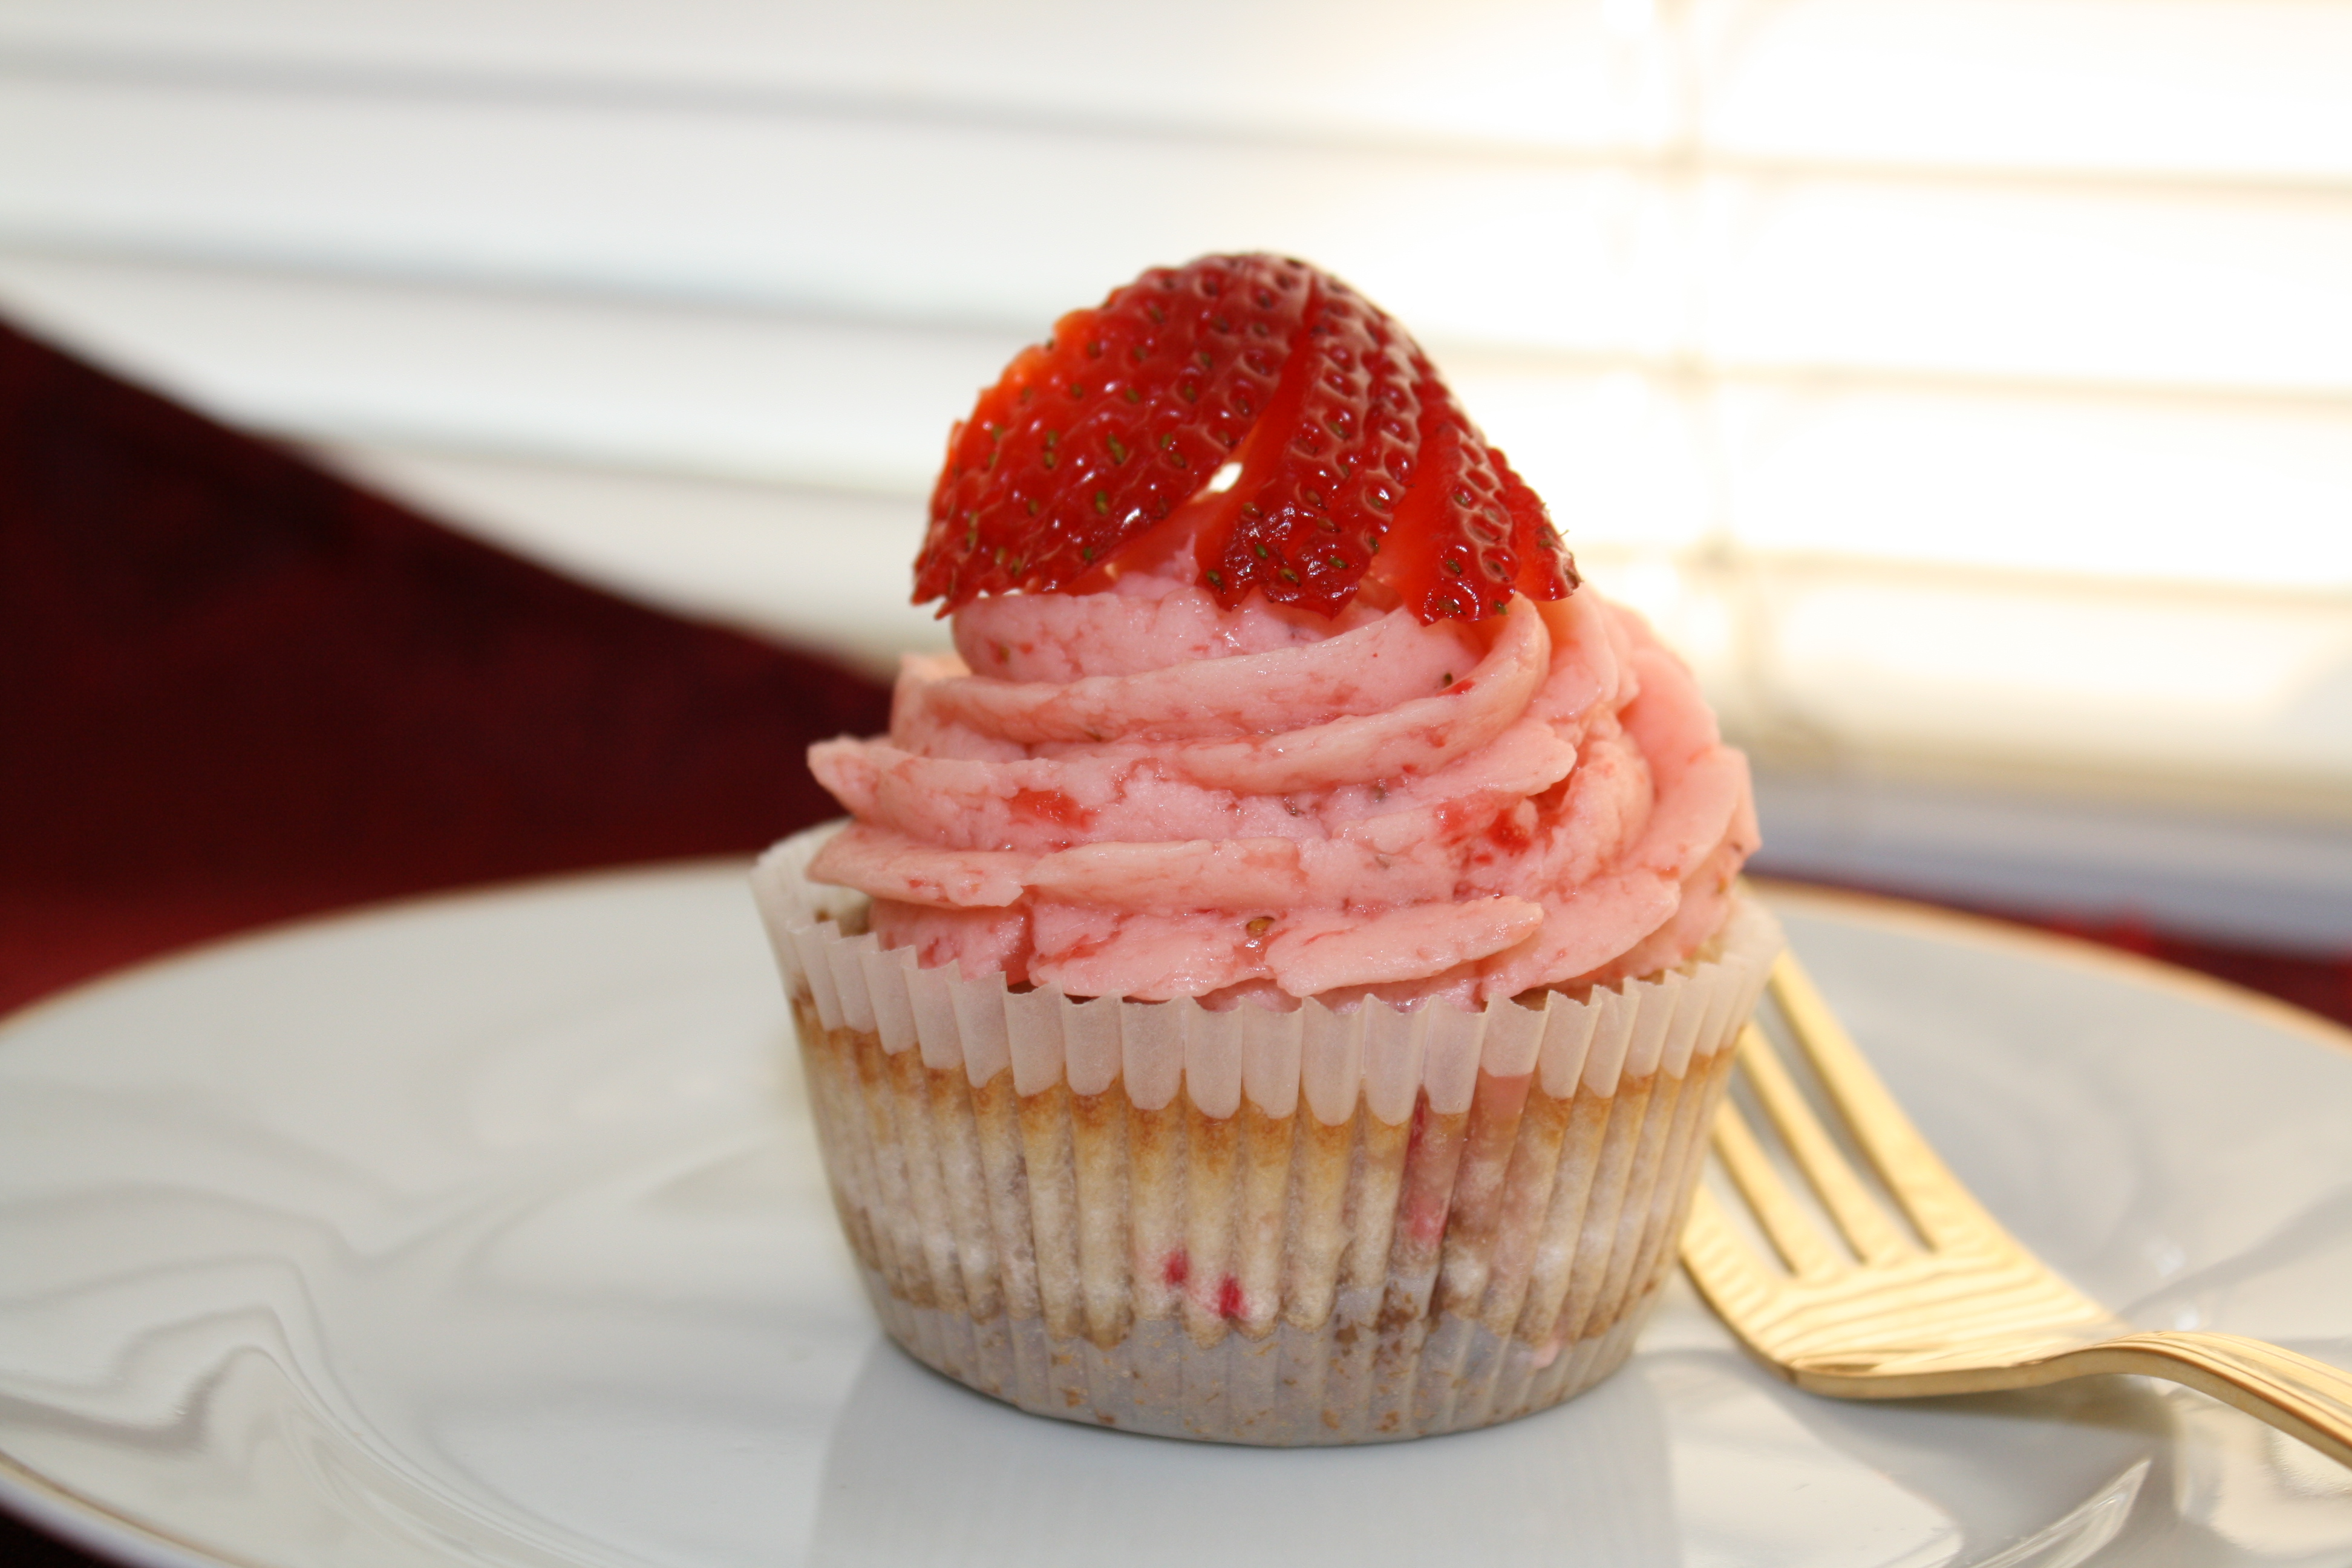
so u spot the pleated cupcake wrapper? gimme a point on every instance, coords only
(1313, 1226)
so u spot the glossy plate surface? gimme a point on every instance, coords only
(489, 1230)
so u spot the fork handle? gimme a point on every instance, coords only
(2300, 1396)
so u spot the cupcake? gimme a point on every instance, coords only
(1275, 976)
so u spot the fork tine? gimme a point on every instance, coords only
(1930, 1197)
(1873, 1236)
(1728, 1269)
(1777, 1214)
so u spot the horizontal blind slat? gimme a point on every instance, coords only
(1006, 226)
(2235, 89)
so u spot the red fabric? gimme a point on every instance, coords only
(234, 688)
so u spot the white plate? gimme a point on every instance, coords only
(489, 1230)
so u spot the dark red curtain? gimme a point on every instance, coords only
(235, 688)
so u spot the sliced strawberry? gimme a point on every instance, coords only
(1327, 464)
(1350, 463)
(1470, 533)
(1124, 413)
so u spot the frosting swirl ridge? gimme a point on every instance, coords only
(1140, 794)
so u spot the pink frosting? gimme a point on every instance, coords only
(1138, 794)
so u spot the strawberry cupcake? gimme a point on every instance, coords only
(1275, 976)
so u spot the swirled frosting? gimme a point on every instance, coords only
(1138, 794)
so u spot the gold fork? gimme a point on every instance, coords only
(1936, 1297)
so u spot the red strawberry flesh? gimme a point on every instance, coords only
(1295, 434)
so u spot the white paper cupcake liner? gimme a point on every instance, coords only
(1246, 1226)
